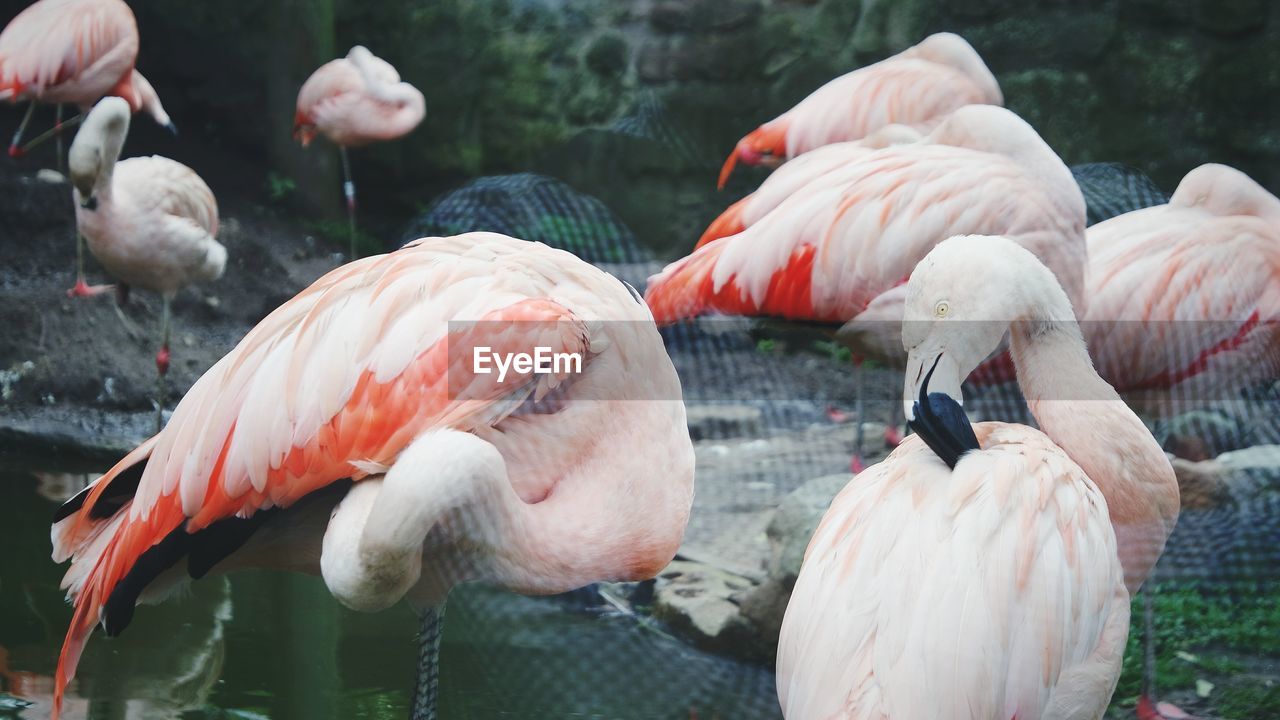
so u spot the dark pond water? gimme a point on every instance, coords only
(274, 645)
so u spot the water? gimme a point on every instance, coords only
(276, 645)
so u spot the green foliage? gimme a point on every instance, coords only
(1202, 635)
(833, 350)
(279, 187)
(337, 234)
(766, 345)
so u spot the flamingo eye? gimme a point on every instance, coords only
(942, 309)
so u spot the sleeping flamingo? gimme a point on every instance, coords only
(1199, 277)
(839, 249)
(539, 482)
(918, 86)
(354, 101)
(827, 162)
(150, 221)
(974, 573)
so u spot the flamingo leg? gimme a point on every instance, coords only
(349, 193)
(162, 362)
(426, 690)
(14, 149)
(55, 131)
(81, 288)
(57, 126)
(856, 464)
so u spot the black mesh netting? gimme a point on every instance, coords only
(772, 406)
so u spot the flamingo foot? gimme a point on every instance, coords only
(856, 464)
(1150, 710)
(892, 436)
(83, 289)
(16, 151)
(162, 360)
(836, 415)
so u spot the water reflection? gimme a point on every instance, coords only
(276, 645)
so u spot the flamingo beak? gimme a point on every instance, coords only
(934, 409)
(173, 129)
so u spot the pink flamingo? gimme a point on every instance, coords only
(839, 249)
(918, 86)
(540, 481)
(150, 221)
(354, 101)
(1200, 277)
(983, 571)
(73, 51)
(827, 162)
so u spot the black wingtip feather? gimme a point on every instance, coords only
(942, 424)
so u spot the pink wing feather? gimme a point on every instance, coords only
(67, 50)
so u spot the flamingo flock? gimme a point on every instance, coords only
(981, 571)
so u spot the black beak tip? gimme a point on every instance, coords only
(90, 203)
(173, 129)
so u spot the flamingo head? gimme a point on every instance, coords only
(961, 300)
(303, 131)
(766, 145)
(96, 147)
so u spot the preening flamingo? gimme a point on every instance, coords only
(918, 86)
(828, 160)
(839, 249)
(354, 101)
(982, 571)
(73, 51)
(541, 482)
(150, 221)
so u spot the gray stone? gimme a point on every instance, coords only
(794, 523)
(723, 421)
(699, 602)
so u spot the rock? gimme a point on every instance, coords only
(795, 521)
(793, 524)
(723, 421)
(1204, 434)
(698, 601)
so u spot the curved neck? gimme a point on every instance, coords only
(1085, 416)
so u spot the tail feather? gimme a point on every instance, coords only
(687, 289)
(728, 223)
(82, 623)
(727, 169)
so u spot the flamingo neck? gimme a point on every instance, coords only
(1085, 416)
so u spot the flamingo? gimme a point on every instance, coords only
(824, 162)
(150, 221)
(983, 571)
(73, 51)
(539, 482)
(918, 86)
(839, 249)
(1198, 276)
(354, 101)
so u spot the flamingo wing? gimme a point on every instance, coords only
(1197, 292)
(54, 41)
(169, 187)
(331, 385)
(990, 591)
(829, 249)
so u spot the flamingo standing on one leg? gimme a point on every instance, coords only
(840, 248)
(983, 571)
(539, 481)
(73, 51)
(918, 86)
(1198, 278)
(354, 101)
(150, 221)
